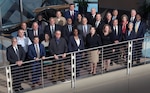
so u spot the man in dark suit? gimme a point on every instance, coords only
(140, 29)
(67, 29)
(91, 17)
(36, 51)
(133, 16)
(52, 27)
(84, 28)
(58, 46)
(41, 22)
(116, 31)
(115, 15)
(99, 24)
(71, 13)
(35, 32)
(16, 55)
(117, 37)
(25, 28)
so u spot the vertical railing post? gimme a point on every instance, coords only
(9, 79)
(129, 62)
(102, 53)
(0, 18)
(42, 73)
(21, 10)
(73, 70)
(145, 48)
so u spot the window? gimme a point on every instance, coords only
(91, 4)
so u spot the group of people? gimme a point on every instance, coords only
(68, 33)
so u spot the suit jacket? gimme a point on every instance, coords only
(66, 33)
(93, 41)
(40, 35)
(32, 51)
(67, 15)
(58, 48)
(48, 30)
(42, 24)
(109, 23)
(12, 56)
(131, 36)
(141, 30)
(80, 28)
(133, 21)
(72, 46)
(119, 36)
(90, 19)
(100, 28)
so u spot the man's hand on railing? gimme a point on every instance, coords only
(64, 55)
(83, 55)
(43, 57)
(98, 52)
(19, 63)
(113, 50)
(116, 41)
(56, 57)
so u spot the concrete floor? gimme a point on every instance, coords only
(114, 82)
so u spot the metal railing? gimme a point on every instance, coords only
(76, 65)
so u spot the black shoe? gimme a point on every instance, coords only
(63, 80)
(137, 61)
(16, 91)
(111, 63)
(21, 88)
(54, 82)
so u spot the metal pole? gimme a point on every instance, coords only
(73, 70)
(0, 18)
(129, 64)
(102, 59)
(42, 72)
(21, 10)
(9, 79)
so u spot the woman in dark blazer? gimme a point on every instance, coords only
(130, 34)
(93, 40)
(76, 43)
(107, 38)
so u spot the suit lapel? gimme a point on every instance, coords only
(14, 53)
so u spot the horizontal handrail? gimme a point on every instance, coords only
(99, 47)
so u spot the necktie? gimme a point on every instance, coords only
(17, 53)
(35, 33)
(116, 31)
(84, 31)
(57, 41)
(72, 15)
(52, 31)
(70, 28)
(37, 51)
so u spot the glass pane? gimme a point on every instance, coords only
(90, 5)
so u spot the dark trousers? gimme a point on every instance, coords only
(58, 70)
(138, 50)
(17, 76)
(36, 72)
(27, 68)
(78, 63)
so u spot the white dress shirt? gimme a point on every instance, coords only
(24, 42)
(115, 29)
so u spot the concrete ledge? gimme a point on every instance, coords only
(114, 82)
